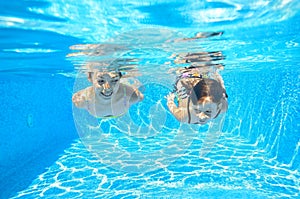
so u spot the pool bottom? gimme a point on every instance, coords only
(234, 169)
(228, 192)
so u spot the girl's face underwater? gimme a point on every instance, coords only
(205, 111)
(106, 84)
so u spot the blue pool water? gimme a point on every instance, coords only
(44, 150)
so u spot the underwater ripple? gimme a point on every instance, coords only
(242, 173)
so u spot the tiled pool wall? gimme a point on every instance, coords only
(264, 108)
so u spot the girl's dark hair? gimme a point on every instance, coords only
(207, 88)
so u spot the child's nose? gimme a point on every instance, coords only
(106, 85)
(202, 116)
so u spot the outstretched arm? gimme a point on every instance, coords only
(179, 112)
(80, 98)
(134, 94)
